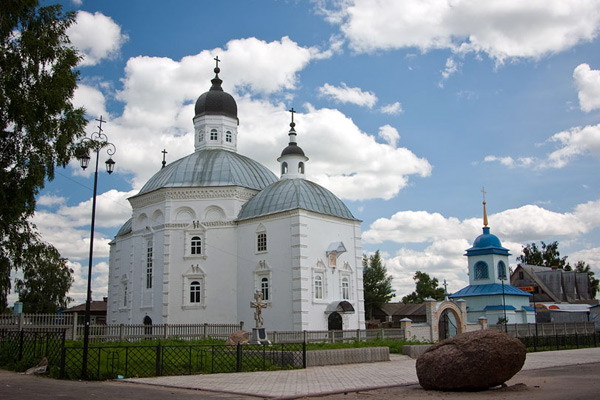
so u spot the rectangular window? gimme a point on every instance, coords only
(149, 265)
(195, 292)
(318, 287)
(213, 134)
(345, 289)
(196, 245)
(261, 242)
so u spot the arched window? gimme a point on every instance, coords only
(201, 137)
(195, 292)
(196, 245)
(318, 287)
(213, 134)
(501, 270)
(261, 242)
(284, 168)
(264, 288)
(481, 270)
(301, 167)
(149, 265)
(124, 294)
(228, 136)
(345, 288)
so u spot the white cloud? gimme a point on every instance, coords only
(572, 143)
(67, 228)
(96, 36)
(575, 142)
(502, 29)
(451, 68)
(587, 81)
(50, 200)
(392, 109)
(91, 99)
(389, 134)
(345, 94)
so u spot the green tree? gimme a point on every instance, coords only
(377, 283)
(38, 122)
(44, 286)
(425, 287)
(545, 256)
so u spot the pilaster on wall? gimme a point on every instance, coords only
(300, 273)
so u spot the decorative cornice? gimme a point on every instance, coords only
(231, 192)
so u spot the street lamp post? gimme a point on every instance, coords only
(96, 142)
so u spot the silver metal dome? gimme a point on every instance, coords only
(211, 167)
(291, 194)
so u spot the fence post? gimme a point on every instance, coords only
(304, 336)
(238, 358)
(166, 333)
(304, 354)
(158, 360)
(21, 339)
(205, 328)
(121, 329)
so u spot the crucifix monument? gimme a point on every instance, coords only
(259, 333)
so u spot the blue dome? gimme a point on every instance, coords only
(211, 167)
(291, 194)
(487, 243)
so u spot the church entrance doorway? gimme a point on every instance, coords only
(148, 325)
(334, 322)
(447, 324)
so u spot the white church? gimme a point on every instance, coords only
(211, 229)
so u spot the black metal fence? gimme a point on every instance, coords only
(108, 362)
(20, 350)
(561, 342)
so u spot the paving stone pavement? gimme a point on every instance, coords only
(316, 381)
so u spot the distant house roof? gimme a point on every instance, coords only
(556, 284)
(96, 307)
(402, 309)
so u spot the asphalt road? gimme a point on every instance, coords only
(577, 382)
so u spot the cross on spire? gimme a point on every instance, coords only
(164, 153)
(217, 60)
(293, 112)
(100, 124)
(485, 218)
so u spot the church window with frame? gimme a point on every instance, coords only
(264, 288)
(149, 265)
(124, 294)
(196, 245)
(195, 292)
(481, 270)
(261, 242)
(345, 288)
(228, 137)
(501, 270)
(284, 168)
(301, 167)
(214, 134)
(318, 286)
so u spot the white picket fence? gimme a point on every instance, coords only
(74, 330)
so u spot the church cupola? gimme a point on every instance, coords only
(215, 120)
(292, 158)
(488, 260)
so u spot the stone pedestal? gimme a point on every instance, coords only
(259, 336)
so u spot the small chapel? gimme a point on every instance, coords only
(489, 293)
(210, 230)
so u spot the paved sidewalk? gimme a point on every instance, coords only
(316, 381)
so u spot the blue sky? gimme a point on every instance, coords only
(406, 110)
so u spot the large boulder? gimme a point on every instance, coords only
(238, 337)
(471, 361)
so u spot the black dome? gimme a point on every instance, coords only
(293, 148)
(216, 101)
